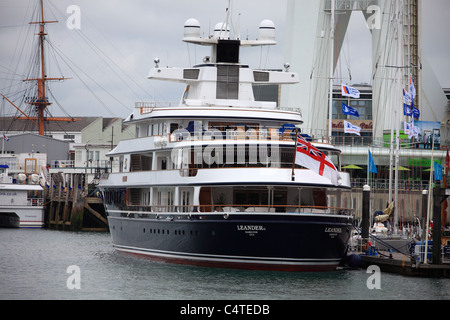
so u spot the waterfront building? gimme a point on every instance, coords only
(89, 159)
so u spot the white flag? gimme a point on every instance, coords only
(310, 157)
(351, 128)
(407, 128)
(349, 92)
(412, 88)
(416, 131)
(407, 97)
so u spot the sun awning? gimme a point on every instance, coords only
(400, 168)
(352, 166)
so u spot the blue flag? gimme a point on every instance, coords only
(349, 110)
(437, 171)
(407, 111)
(416, 113)
(372, 166)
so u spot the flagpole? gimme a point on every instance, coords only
(330, 107)
(295, 155)
(429, 205)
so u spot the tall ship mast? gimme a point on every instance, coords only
(40, 100)
(219, 180)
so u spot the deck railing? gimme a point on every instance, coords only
(214, 208)
(35, 202)
(86, 164)
(403, 184)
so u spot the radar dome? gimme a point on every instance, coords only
(192, 28)
(34, 178)
(266, 30)
(221, 31)
(22, 177)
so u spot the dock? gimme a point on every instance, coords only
(402, 264)
(394, 255)
(72, 209)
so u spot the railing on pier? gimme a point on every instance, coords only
(419, 253)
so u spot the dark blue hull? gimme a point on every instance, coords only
(284, 242)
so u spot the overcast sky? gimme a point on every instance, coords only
(109, 57)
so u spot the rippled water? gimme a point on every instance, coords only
(33, 265)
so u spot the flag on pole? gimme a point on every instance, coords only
(415, 112)
(411, 130)
(415, 132)
(437, 171)
(372, 166)
(310, 157)
(5, 137)
(412, 88)
(349, 110)
(407, 111)
(406, 97)
(351, 128)
(407, 128)
(348, 91)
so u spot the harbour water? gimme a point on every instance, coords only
(47, 264)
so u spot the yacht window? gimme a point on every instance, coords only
(191, 73)
(149, 132)
(227, 82)
(173, 127)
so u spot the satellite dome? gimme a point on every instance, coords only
(192, 28)
(266, 30)
(221, 31)
(34, 178)
(22, 177)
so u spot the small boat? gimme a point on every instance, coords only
(21, 202)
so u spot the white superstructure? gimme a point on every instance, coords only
(213, 180)
(21, 203)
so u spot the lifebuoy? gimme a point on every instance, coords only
(367, 246)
